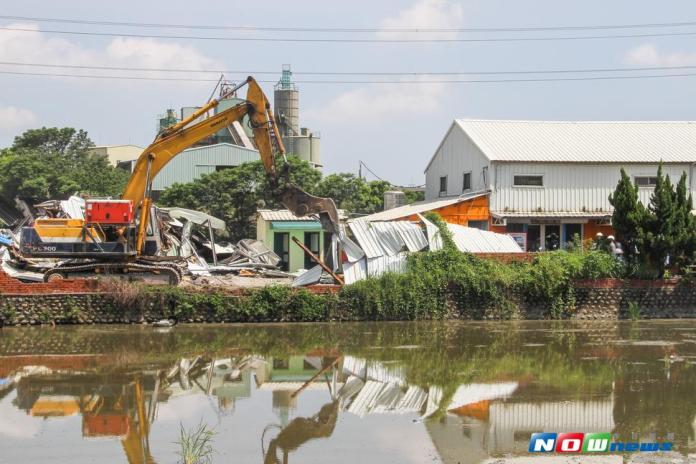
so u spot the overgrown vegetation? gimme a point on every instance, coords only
(661, 235)
(449, 283)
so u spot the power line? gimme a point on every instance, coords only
(400, 82)
(354, 73)
(348, 29)
(329, 40)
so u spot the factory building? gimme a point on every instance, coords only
(546, 181)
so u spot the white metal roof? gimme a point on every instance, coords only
(286, 215)
(584, 141)
(420, 207)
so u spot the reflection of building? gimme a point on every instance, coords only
(506, 426)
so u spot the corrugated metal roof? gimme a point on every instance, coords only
(584, 142)
(420, 207)
(286, 215)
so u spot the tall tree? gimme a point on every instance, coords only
(628, 216)
(685, 223)
(660, 232)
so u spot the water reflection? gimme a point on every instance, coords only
(357, 392)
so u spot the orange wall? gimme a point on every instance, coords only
(475, 209)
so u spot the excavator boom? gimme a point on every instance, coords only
(177, 138)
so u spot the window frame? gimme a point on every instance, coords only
(515, 185)
(443, 193)
(649, 177)
(464, 188)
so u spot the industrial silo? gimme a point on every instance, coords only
(286, 101)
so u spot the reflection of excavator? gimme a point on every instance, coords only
(109, 407)
(301, 430)
(120, 236)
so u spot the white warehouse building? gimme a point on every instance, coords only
(548, 180)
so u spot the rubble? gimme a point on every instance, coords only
(182, 233)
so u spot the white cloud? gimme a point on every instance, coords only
(377, 102)
(650, 55)
(441, 14)
(36, 47)
(13, 119)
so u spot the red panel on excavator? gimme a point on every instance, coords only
(109, 211)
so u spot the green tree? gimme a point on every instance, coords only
(660, 230)
(234, 195)
(53, 163)
(685, 224)
(628, 216)
(355, 195)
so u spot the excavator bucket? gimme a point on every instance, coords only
(302, 203)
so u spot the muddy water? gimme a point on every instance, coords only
(350, 393)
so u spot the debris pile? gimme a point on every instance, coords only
(384, 246)
(183, 235)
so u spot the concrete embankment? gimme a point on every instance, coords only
(87, 302)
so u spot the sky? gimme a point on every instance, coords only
(393, 128)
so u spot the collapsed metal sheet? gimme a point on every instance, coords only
(388, 237)
(434, 238)
(382, 264)
(367, 239)
(353, 272)
(352, 250)
(411, 234)
(197, 217)
(309, 277)
(473, 240)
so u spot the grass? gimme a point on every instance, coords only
(195, 445)
(633, 311)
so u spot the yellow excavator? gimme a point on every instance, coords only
(120, 236)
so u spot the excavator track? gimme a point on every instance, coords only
(172, 270)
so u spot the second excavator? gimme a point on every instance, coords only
(120, 236)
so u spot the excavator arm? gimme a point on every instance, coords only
(172, 141)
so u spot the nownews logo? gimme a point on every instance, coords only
(589, 443)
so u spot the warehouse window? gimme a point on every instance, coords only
(443, 186)
(528, 181)
(466, 184)
(646, 181)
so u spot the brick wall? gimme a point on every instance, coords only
(508, 257)
(11, 286)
